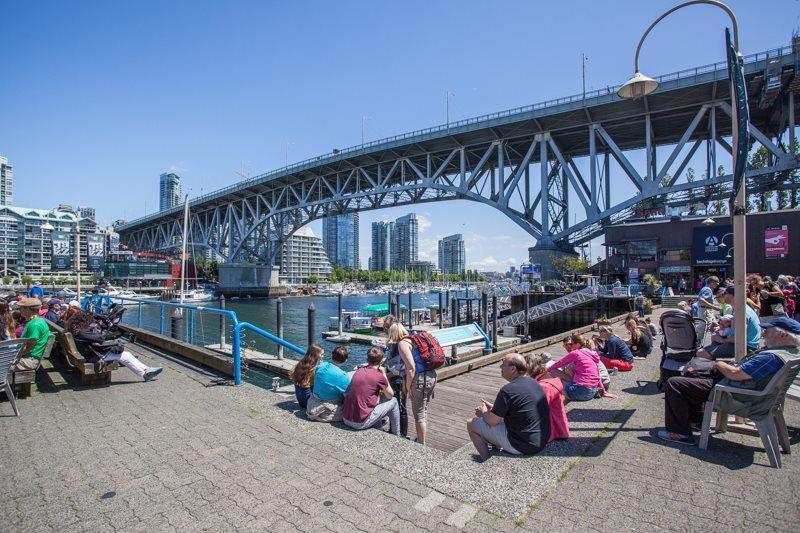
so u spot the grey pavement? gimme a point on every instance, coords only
(181, 454)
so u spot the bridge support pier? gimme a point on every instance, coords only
(543, 254)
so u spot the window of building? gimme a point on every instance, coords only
(642, 250)
(682, 254)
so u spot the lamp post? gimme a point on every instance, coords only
(44, 227)
(640, 85)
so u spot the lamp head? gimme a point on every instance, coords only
(639, 85)
(709, 221)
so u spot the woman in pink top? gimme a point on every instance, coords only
(553, 389)
(585, 382)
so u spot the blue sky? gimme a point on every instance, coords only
(98, 98)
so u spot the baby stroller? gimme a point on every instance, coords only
(682, 336)
(109, 320)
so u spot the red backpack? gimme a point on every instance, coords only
(431, 354)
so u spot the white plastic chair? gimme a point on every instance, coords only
(9, 355)
(772, 428)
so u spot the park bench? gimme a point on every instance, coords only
(91, 373)
(21, 380)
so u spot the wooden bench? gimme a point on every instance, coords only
(91, 373)
(21, 380)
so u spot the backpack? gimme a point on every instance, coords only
(431, 354)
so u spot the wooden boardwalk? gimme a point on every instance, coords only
(455, 399)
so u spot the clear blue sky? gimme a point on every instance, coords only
(98, 98)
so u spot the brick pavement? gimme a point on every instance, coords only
(177, 454)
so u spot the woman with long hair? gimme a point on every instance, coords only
(91, 343)
(7, 326)
(302, 375)
(640, 342)
(554, 390)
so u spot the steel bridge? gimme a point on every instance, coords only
(535, 164)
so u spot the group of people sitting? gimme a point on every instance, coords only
(752, 368)
(29, 320)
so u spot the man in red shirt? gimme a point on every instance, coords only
(362, 408)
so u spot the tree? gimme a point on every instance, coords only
(569, 265)
(7, 280)
(720, 207)
(27, 280)
(313, 279)
(63, 280)
(763, 200)
(690, 177)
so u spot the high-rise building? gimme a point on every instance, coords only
(405, 242)
(86, 212)
(169, 190)
(6, 181)
(381, 246)
(452, 259)
(340, 238)
(302, 256)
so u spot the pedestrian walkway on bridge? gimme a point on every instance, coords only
(185, 453)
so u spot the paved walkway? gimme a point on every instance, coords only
(182, 453)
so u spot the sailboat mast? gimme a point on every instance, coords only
(183, 248)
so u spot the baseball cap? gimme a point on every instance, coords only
(787, 324)
(75, 303)
(54, 301)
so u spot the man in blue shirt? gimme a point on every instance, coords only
(684, 396)
(705, 298)
(330, 384)
(614, 352)
(724, 346)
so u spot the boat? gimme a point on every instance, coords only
(127, 293)
(193, 296)
(352, 322)
(339, 339)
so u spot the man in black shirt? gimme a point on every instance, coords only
(519, 420)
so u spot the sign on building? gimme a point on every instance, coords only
(776, 242)
(61, 255)
(94, 251)
(712, 245)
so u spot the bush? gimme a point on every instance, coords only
(648, 306)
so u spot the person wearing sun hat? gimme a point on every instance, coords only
(684, 395)
(36, 328)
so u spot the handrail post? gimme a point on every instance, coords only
(441, 310)
(312, 326)
(139, 316)
(527, 303)
(161, 321)
(222, 323)
(410, 314)
(190, 326)
(279, 325)
(494, 322)
(237, 357)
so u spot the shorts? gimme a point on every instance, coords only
(421, 393)
(497, 435)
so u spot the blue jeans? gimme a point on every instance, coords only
(640, 309)
(302, 394)
(389, 408)
(579, 393)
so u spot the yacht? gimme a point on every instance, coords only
(194, 295)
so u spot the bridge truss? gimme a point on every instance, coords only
(538, 165)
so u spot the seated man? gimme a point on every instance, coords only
(614, 353)
(723, 345)
(362, 408)
(685, 396)
(35, 328)
(519, 420)
(53, 310)
(330, 384)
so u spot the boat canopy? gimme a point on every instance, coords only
(379, 308)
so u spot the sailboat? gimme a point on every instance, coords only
(182, 294)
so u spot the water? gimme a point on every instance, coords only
(262, 312)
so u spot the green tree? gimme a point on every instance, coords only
(7, 279)
(569, 265)
(63, 280)
(690, 177)
(27, 280)
(313, 279)
(763, 200)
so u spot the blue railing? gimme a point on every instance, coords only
(370, 146)
(237, 340)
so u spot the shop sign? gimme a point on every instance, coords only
(712, 245)
(776, 242)
(674, 269)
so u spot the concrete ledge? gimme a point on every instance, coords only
(183, 349)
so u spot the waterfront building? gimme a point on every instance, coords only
(426, 268)
(86, 212)
(303, 255)
(27, 236)
(6, 181)
(340, 239)
(404, 242)
(381, 246)
(452, 258)
(169, 190)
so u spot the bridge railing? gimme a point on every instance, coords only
(610, 90)
(207, 327)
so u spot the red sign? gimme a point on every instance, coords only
(776, 241)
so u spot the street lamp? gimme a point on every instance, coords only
(640, 85)
(44, 227)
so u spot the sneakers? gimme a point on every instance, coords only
(153, 372)
(676, 437)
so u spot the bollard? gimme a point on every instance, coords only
(341, 297)
(279, 325)
(161, 321)
(222, 323)
(389, 307)
(394, 307)
(312, 318)
(527, 305)
(410, 314)
(441, 310)
(176, 323)
(484, 310)
(454, 311)
(447, 303)
(494, 322)
(139, 316)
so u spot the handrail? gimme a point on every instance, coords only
(237, 346)
(711, 67)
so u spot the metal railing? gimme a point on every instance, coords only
(557, 305)
(341, 154)
(200, 327)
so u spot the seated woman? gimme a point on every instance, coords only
(91, 343)
(330, 384)
(640, 342)
(614, 353)
(302, 375)
(585, 382)
(554, 390)
(362, 408)
(566, 372)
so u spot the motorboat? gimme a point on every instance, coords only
(194, 295)
(339, 339)
(352, 322)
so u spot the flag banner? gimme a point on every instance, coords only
(61, 254)
(741, 116)
(94, 251)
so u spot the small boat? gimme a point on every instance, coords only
(339, 339)
(194, 295)
(352, 322)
